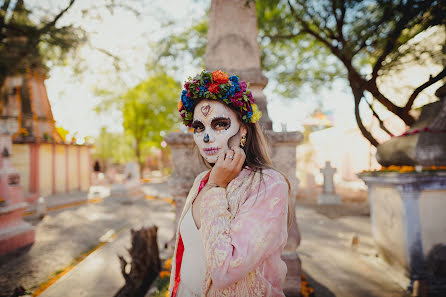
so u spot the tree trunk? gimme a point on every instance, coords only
(145, 265)
(138, 156)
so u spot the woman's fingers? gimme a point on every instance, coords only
(229, 155)
(239, 158)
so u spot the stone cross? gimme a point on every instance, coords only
(328, 195)
(328, 173)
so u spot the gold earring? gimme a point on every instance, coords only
(243, 141)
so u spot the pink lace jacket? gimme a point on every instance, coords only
(244, 231)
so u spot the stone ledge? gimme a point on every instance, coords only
(396, 178)
(294, 137)
(11, 208)
(179, 138)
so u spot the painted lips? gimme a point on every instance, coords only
(211, 151)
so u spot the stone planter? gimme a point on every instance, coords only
(409, 224)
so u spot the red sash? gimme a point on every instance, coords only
(180, 248)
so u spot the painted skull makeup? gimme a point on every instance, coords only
(216, 127)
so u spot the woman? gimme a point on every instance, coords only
(233, 227)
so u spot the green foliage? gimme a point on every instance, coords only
(150, 108)
(316, 41)
(113, 148)
(188, 45)
(149, 112)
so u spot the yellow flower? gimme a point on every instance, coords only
(164, 274)
(167, 293)
(168, 263)
(256, 113)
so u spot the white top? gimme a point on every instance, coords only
(193, 266)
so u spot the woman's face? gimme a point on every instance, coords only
(216, 129)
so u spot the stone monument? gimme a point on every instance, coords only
(328, 195)
(407, 208)
(232, 47)
(131, 186)
(14, 232)
(424, 143)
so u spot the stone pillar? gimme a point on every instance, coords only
(14, 232)
(283, 155)
(283, 147)
(186, 166)
(232, 47)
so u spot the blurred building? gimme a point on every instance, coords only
(46, 163)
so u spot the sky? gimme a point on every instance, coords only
(126, 36)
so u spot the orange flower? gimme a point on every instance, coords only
(213, 88)
(180, 105)
(219, 77)
(164, 274)
(407, 169)
(168, 263)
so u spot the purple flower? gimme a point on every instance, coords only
(251, 99)
(236, 102)
(238, 95)
(243, 85)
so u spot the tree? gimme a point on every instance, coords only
(367, 39)
(314, 42)
(149, 111)
(112, 148)
(27, 44)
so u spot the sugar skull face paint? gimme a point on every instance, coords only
(216, 128)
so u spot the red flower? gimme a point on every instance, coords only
(220, 77)
(213, 88)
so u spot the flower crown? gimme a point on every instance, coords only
(218, 86)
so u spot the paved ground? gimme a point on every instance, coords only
(332, 265)
(65, 234)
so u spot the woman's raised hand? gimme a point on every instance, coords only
(227, 167)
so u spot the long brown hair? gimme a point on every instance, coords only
(257, 155)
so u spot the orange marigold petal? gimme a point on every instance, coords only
(213, 88)
(220, 77)
(164, 274)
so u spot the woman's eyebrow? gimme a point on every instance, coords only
(220, 118)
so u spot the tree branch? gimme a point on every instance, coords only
(393, 36)
(281, 36)
(311, 32)
(381, 123)
(339, 20)
(418, 90)
(357, 94)
(51, 24)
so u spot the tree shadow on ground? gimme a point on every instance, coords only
(319, 289)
